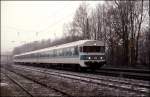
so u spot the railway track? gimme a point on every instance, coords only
(40, 90)
(18, 84)
(11, 87)
(126, 73)
(128, 70)
(104, 78)
(123, 85)
(117, 72)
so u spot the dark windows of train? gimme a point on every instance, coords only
(56, 53)
(32, 55)
(81, 49)
(69, 52)
(72, 51)
(63, 52)
(28, 56)
(35, 55)
(50, 53)
(94, 49)
(59, 52)
(43, 54)
(76, 52)
(46, 54)
(53, 53)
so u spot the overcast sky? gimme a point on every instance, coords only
(27, 21)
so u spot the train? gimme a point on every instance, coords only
(78, 54)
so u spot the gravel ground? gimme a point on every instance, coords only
(34, 88)
(8, 88)
(76, 87)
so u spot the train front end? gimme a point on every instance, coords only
(92, 54)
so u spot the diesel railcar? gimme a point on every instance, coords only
(82, 53)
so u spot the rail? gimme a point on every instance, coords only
(100, 81)
(64, 93)
(21, 86)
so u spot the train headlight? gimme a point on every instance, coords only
(101, 58)
(89, 58)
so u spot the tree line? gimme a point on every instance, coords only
(121, 24)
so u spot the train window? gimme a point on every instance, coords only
(63, 52)
(30, 55)
(50, 53)
(59, 52)
(76, 51)
(25, 56)
(81, 49)
(46, 54)
(33, 55)
(56, 53)
(43, 54)
(66, 52)
(53, 53)
(72, 51)
(94, 49)
(39, 55)
(69, 52)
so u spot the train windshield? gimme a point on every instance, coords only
(92, 49)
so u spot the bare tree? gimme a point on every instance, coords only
(80, 21)
(130, 18)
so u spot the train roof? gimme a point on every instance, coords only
(76, 43)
